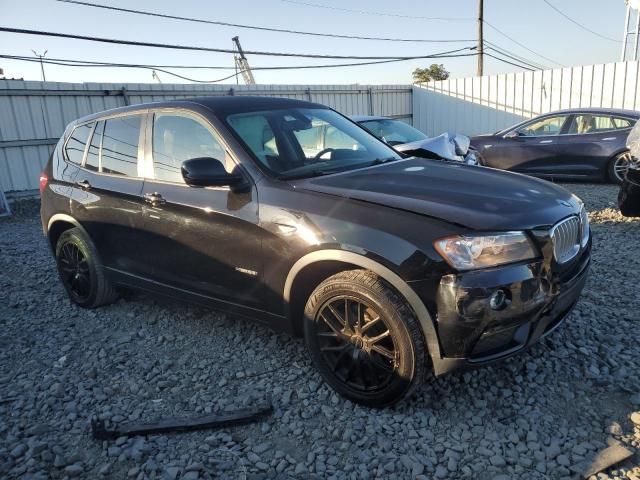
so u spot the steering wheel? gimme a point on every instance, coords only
(317, 156)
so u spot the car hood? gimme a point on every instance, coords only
(478, 198)
(442, 146)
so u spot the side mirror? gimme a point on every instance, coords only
(512, 134)
(208, 172)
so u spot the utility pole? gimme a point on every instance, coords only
(155, 76)
(44, 79)
(242, 64)
(480, 38)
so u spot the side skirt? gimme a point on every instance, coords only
(276, 322)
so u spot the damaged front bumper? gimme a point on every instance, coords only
(488, 315)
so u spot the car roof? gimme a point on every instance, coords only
(220, 105)
(602, 110)
(367, 118)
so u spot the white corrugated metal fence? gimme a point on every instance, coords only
(33, 114)
(486, 104)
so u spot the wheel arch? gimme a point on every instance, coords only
(59, 223)
(344, 260)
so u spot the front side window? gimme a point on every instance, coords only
(298, 142)
(178, 138)
(544, 127)
(120, 142)
(393, 132)
(77, 143)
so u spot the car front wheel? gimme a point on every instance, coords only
(81, 271)
(364, 339)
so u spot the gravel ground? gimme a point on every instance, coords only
(531, 417)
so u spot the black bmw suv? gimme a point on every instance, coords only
(287, 212)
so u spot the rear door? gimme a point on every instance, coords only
(203, 240)
(107, 196)
(590, 141)
(532, 148)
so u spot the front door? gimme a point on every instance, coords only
(203, 240)
(107, 195)
(532, 149)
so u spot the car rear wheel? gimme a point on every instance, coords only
(364, 339)
(81, 270)
(619, 165)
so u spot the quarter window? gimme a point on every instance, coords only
(93, 157)
(544, 127)
(120, 146)
(77, 142)
(177, 138)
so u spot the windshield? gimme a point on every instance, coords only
(304, 142)
(393, 132)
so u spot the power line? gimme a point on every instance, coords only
(207, 49)
(510, 63)
(522, 45)
(509, 54)
(579, 24)
(161, 68)
(381, 14)
(254, 27)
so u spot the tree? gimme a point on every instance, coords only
(434, 72)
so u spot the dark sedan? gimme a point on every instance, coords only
(581, 144)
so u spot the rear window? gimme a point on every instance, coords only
(74, 149)
(120, 146)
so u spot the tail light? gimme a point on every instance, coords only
(44, 180)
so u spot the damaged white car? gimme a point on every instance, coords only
(411, 141)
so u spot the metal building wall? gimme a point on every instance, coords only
(486, 104)
(33, 115)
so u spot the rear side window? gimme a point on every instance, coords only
(77, 142)
(177, 138)
(589, 123)
(93, 153)
(120, 142)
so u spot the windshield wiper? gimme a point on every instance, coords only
(310, 173)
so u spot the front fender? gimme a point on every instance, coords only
(426, 322)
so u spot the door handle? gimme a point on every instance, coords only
(153, 198)
(546, 141)
(608, 139)
(84, 184)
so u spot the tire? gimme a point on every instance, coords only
(617, 168)
(81, 271)
(376, 362)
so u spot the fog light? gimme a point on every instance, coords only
(499, 300)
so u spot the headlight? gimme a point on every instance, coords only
(468, 252)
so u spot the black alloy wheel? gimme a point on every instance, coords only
(81, 271)
(357, 343)
(74, 272)
(364, 339)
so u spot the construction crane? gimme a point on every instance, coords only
(242, 64)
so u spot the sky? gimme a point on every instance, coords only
(533, 24)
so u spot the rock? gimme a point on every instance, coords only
(635, 418)
(74, 470)
(18, 450)
(497, 461)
